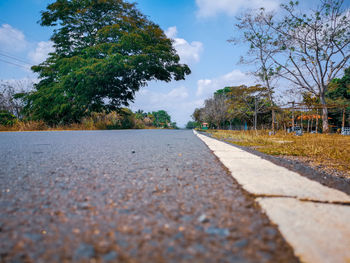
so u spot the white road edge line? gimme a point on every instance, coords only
(317, 232)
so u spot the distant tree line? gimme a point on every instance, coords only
(250, 107)
(11, 114)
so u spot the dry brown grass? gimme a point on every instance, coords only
(41, 126)
(87, 124)
(329, 150)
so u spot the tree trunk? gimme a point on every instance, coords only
(273, 120)
(325, 127)
(317, 121)
(255, 114)
(293, 116)
(343, 122)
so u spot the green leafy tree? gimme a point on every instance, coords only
(192, 125)
(105, 51)
(174, 125)
(245, 103)
(339, 93)
(7, 118)
(161, 118)
(140, 114)
(339, 89)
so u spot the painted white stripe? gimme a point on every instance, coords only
(264, 178)
(318, 232)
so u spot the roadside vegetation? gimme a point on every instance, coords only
(105, 51)
(322, 151)
(304, 50)
(308, 51)
(122, 119)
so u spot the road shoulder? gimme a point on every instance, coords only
(284, 196)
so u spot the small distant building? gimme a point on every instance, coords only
(205, 126)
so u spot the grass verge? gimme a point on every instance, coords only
(326, 151)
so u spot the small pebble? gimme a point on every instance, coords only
(203, 219)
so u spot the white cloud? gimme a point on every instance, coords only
(12, 39)
(206, 87)
(177, 102)
(189, 52)
(41, 52)
(171, 32)
(162, 99)
(210, 8)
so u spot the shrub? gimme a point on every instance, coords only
(7, 119)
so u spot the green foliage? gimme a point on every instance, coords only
(243, 99)
(192, 125)
(140, 114)
(161, 119)
(310, 99)
(224, 91)
(339, 89)
(235, 106)
(339, 93)
(106, 50)
(6, 118)
(124, 118)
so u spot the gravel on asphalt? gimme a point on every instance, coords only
(126, 196)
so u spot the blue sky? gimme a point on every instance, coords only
(200, 29)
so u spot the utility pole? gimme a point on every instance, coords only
(293, 110)
(273, 120)
(255, 114)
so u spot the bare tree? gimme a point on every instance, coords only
(198, 115)
(253, 29)
(216, 110)
(310, 49)
(8, 91)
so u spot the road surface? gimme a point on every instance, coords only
(126, 196)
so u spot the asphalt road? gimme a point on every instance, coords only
(126, 196)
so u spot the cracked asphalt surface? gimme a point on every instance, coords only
(126, 196)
